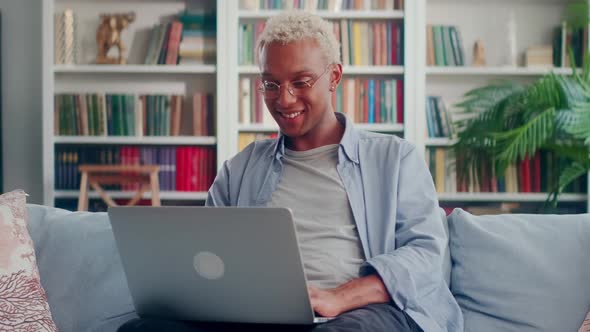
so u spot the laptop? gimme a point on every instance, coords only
(215, 264)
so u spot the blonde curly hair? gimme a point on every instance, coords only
(294, 26)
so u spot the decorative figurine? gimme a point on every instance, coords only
(108, 34)
(479, 54)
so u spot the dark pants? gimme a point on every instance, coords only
(374, 318)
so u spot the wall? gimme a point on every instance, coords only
(21, 96)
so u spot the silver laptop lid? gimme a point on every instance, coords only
(225, 264)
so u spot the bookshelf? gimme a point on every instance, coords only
(238, 16)
(488, 22)
(476, 20)
(85, 77)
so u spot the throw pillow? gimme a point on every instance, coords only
(585, 324)
(519, 272)
(23, 304)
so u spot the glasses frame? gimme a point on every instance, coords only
(295, 92)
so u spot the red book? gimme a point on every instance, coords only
(195, 156)
(377, 101)
(525, 175)
(174, 43)
(366, 101)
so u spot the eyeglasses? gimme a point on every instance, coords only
(272, 90)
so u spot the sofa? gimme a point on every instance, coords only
(507, 272)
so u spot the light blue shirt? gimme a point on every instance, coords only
(395, 209)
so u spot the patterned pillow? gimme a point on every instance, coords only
(585, 324)
(23, 304)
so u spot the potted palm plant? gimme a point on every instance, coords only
(508, 122)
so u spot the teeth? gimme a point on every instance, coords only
(292, 115)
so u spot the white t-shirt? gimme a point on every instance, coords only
(328, 239)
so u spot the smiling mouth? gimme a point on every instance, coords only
(291, 115)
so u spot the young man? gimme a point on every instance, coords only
(364, 204)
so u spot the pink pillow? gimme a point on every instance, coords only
(23, 304)
(585, 324)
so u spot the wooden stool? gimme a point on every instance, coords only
(145, 175)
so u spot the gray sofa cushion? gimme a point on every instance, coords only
(525, 273)
(80, 269)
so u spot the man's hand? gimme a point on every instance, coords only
(326, 302)
(351, 295)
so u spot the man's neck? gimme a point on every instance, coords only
(327, 132)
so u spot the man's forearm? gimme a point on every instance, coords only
(363, 291)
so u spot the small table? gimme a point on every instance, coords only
(96, 175)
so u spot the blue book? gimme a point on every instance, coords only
(371, 101)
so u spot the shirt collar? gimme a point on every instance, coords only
(349, 141)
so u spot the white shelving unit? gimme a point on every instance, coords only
(405, 71)
(164, 195)
(340, 14)
(133, 78)
(476, 20)
(485, 21)
(146, 140)
(494, 71)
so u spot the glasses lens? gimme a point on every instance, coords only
(270, 89)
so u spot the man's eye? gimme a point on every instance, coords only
(300, 84)
(270, 86)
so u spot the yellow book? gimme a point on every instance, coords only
(356, 43)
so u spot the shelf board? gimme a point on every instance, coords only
(440, 141)
(347, 70)
(134, 69)
(164, 195)
(495, 71)
(145, 140)
(507, 197)
(339, 14)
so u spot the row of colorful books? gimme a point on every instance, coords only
(531, 175)
(188, 39)
(444, 46)
(182, 168)
(438, 118)
(375, 43)
(101, 114)
(362, 100)
(332, 5)
(371, 100)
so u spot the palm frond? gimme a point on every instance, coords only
(578, 122)
(570, 174)
(577, 14)
(571, 150)
(516, 144)
(485, 98)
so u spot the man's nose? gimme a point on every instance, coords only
(285, 96)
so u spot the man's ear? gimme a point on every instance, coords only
(335, 75)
